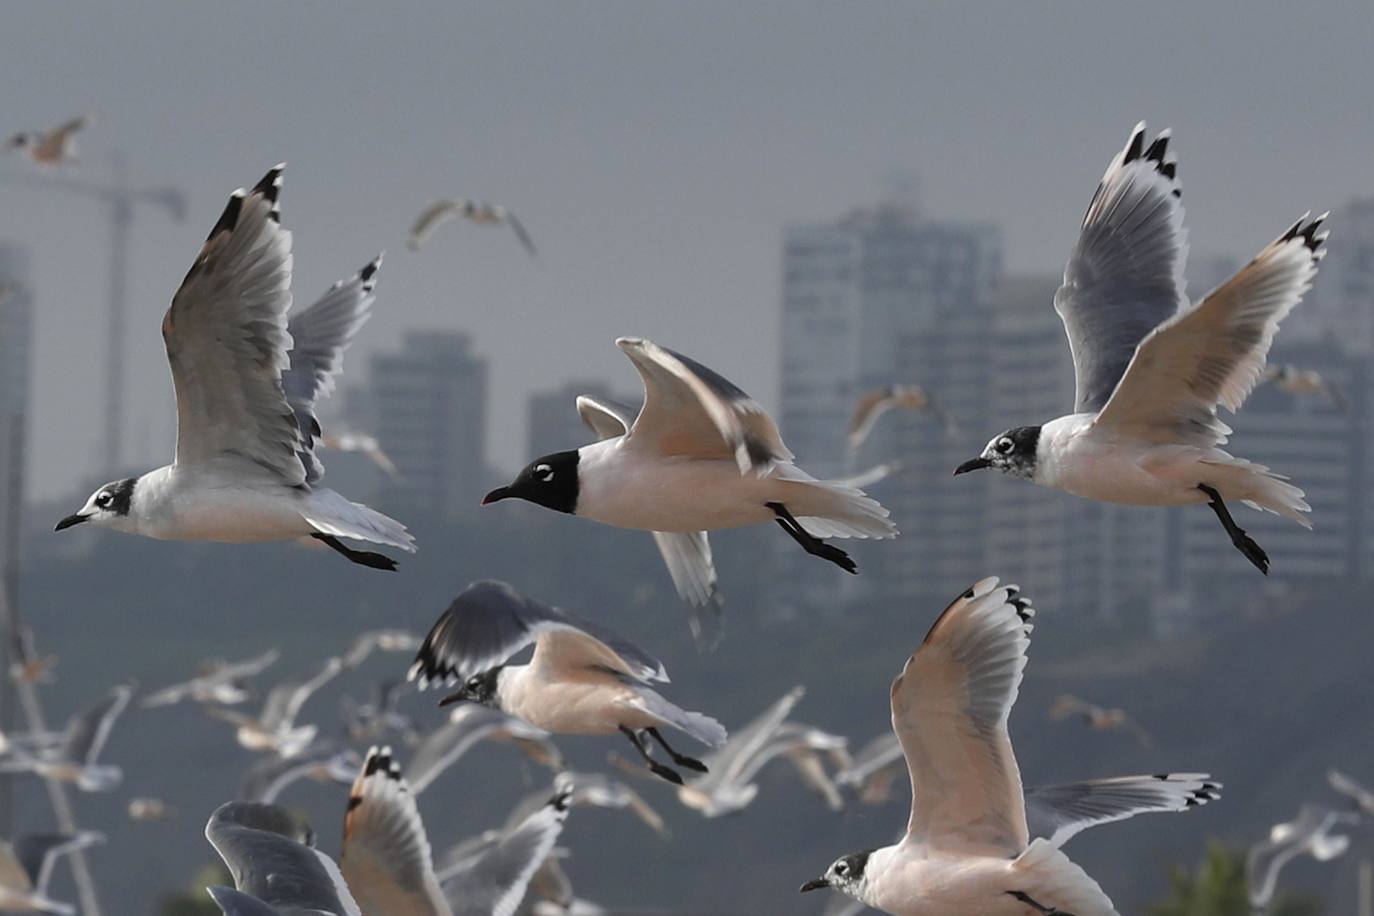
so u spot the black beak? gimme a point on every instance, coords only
(69, 521)
(973, 464)
(495, 496)
(451, 699)
(814, 885)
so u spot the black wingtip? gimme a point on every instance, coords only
(229, 219)
(270, 189)
(1137, 144)
(370, 270)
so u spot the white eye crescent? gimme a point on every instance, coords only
(1004, 446)
(543, 472)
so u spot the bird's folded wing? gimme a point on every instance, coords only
(227, 341)
(319, 336)
(692, 411)
(386, 857)
(493, 882)
(269, 854)
(490, 621)
(949, 709)
(1057, 813)
(1125, 274)
(1214, 353)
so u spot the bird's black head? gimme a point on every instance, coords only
(1012, 452)
(106, 506)
(844, 874)
(480, 689)
(550, 481)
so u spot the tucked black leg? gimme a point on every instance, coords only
(1242, 541)
(658, 769)
(361, 557)
(681, 760)
(1037, 906)
(811, 544)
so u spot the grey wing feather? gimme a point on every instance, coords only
(494, 882)
(1057, 813)
(431, 218)
(490, 621)
(687, 554)
(87, 732)
(607, 418)
(1125, 274)
(227, 341)
(270, 855)
(233, 902)
(521, 234)
(880, 752)
(38, 852)
(319, 336)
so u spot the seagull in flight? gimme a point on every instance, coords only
(467, 725)
(1312, 833)
(581, 680)
(53, 147)
(222, 683)
(26, 865)
(879, 401)
(474, 211)
(1151, 369)
(73, 759)
(699, 455)
(1097, 717)
(246, 385)
(968, 846)
(1291, 379)
(275, 727)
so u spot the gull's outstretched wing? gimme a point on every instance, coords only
(949, 709)
(1125, 275)
(325, 759)
(1360, 798)
(227, 342)
(519, 229)
(223, 674)
(431, 218)
(319, 336)
(38, 852)
(88, 731)
(386, 858)
(878, 754)
(1057, 813)
(737, 761)
(285, 700)
(866, 413)
(490, 621)
(493, 882)
(367, 642)
(466, 726)
(692, 411)
(1214, 353)
(271, 856)
(1310, 833)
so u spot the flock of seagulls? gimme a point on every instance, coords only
(698, 455)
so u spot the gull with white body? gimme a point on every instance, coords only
(1150, 368)
(246, 384)
(581, 680)
(275, 729)
(73, 759)
(700, 455)
(479, 212)
(1291, 379)
(1312, 832)
(26, 865)
(222, 683)
(50, 148)
(968, 846)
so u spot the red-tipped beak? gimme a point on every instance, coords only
(496, 495)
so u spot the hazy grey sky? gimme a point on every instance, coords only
(653, 149)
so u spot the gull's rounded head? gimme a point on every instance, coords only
(1012, 452)
(550, 481)
(108, 506)
(846, 874)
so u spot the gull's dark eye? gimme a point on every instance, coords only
(841, 868)
(1004, 446)
(543, 472)
(103, 500)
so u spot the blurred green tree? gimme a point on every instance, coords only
(193, 900)
(1217, 888)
